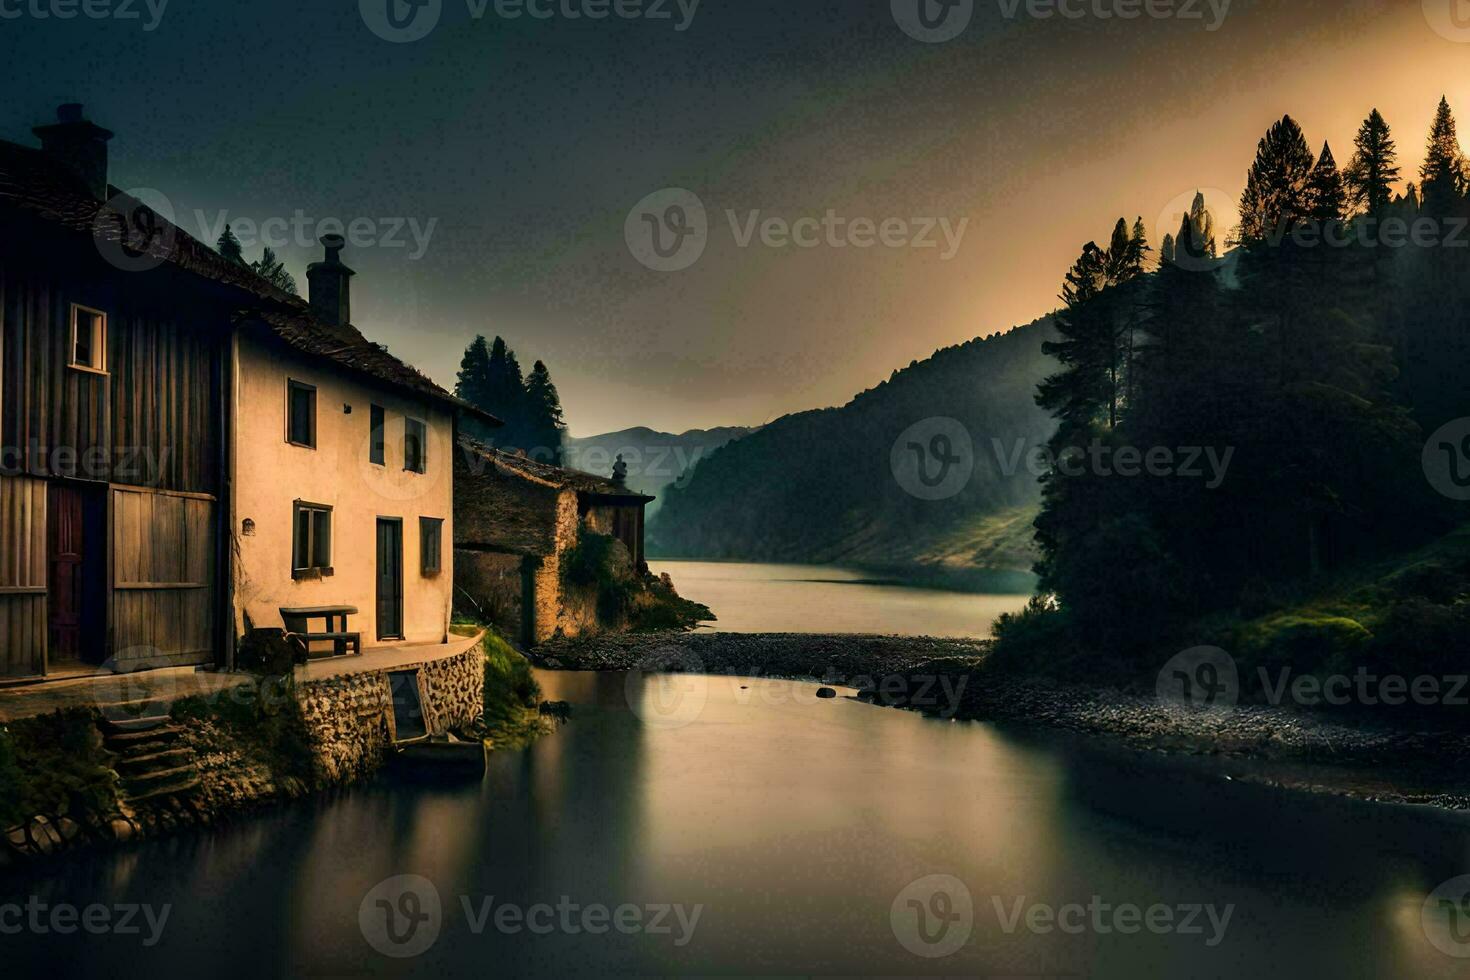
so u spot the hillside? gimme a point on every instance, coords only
(655, 459)
(820, 486)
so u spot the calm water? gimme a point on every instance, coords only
(753, 598)
(795, 823)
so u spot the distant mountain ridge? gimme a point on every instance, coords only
(821, 486)
(656, 460)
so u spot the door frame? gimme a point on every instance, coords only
(95, 641)
(402, 632)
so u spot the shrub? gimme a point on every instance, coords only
(52, 760)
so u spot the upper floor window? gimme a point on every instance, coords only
(88, 338)
(377, 448)
(415, 450)
(301, 414)
(431, 545)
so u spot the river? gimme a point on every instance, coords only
(716, 826)
(764, 598)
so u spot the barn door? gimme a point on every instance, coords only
(390, 578)
(66, 581)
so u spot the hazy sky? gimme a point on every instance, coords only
(518, 147)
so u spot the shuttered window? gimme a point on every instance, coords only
(377, 448)
(301, 414)
(311, 549)
(415, 452)
(431, 544)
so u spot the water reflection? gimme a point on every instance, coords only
(794, 822)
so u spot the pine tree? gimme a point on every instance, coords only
(1079, 394)
(473, 385)
(273, 271)
(1276, 196)
(1442, 177)
(1374, 168)
(546, 419)
(229, 246)
(1166, 251)
(1325, 189)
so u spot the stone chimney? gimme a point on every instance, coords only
(79, 146)
(330, 283)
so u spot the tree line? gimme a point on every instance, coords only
(490, 378)
(1318, 353)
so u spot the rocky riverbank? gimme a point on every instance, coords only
(949, 678)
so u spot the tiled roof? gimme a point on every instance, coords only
(32, 182)
(548, 474)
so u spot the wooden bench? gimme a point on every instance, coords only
(299, 632)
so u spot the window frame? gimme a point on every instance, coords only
(292, 386)
(313, 569)
(409, 423)
(437, 525)
(99, 341)
(377, 435)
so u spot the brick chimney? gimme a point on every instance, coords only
(79, 146)
(330, 283)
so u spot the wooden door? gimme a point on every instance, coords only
(66, 581)
(390, 579)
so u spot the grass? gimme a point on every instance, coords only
(268, 731)
(54, 760)
(512, 696)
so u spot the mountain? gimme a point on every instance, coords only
(844, 485)
(655, 459)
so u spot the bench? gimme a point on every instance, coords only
(299, 632)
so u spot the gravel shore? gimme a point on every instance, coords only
(1279, 746)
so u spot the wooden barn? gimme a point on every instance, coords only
(121, 427)
(515, 520)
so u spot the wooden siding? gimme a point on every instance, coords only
(152, 420)
(163, 581)
(23, 623)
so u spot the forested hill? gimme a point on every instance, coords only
(819, 486)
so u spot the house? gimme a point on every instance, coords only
(517, 521)
(184, 448)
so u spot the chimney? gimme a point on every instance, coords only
(330, 283)
(79, 146)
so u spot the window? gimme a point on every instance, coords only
(88, 338)
(301, 414)
(377, 452)
(415, 456)
(431, 544)
(311, 550)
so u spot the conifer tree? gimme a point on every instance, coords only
(1276, 196)
(273, 271)
(1325, 189)
(546, 419)
(1374, 168)
(473, 385)
(1442, 177)
(229, 246)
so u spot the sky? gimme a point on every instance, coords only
(502, 173)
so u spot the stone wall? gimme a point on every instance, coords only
(350, 718)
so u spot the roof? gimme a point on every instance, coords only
(30, 181)
(547, 474)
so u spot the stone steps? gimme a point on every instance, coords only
(152, 759)
(150, 762)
